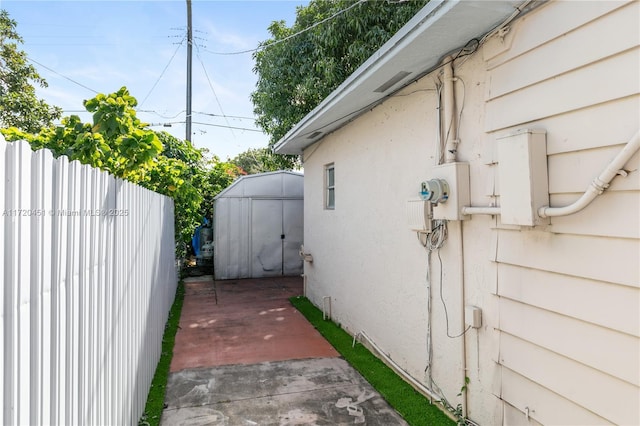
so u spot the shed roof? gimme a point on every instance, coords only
(439, 28)
(277, 184)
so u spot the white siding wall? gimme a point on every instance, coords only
(88, 276)
(567, 295)
(561, 303)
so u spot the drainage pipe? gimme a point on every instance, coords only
(599, 184)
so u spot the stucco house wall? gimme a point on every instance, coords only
(560, 338)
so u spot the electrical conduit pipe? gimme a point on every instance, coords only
(599, 184)
(450, 124)
(450, 156)
(401, 371)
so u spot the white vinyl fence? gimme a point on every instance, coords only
(88, 277)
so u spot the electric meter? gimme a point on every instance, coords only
(435, 190)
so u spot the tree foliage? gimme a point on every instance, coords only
(296, 74)
(118, 142)
(261, 160)
(19, 106)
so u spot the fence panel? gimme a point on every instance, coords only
(88, 277)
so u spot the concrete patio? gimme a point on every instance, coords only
(244, 356)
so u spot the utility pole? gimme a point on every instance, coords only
(189, 48)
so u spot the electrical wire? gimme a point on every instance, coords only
(429, 343)
(437, 237)
(506, 22)
(61, 75)
(444, 305)
(439, 144)
(168, 123)
(310, 27)
(163, 71)
(464, 96)
(160, 115)
(227, 127)
(226, 116)
(213, 90)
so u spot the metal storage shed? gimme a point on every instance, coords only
(258, 226)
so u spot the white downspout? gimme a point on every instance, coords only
(450, 124)
(599, 184)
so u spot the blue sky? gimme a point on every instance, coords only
(105, 45)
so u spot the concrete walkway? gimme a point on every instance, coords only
(245, 356)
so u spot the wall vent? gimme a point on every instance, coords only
(392, 81)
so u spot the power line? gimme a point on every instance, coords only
(213, 90)
(228, 127)
(63, 76)
(229, 116)
(163, 71)
(158, 114)
(264, 46)
(169, 123)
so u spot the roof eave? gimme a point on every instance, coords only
(437, 20)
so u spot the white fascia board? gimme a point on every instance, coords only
(437, 29)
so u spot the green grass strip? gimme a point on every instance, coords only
(412, 406)
(155, 400)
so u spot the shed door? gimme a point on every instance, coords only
(276, 236)
(292, 224)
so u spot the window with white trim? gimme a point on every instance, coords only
(330, 187)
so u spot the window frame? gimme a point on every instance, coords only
(329, 187)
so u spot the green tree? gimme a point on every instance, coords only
(219, 175)
(118, 142)
(296, 74)
(180, 149)
(19, 106)
(261, 160)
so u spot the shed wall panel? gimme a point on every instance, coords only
(248, 225)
